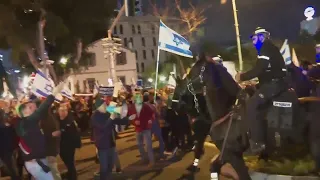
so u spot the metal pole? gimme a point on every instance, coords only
(112, 59)
(157, 72)
(236, 24)
(126, 8)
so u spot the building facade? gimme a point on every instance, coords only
(98, 70)
(142, 33)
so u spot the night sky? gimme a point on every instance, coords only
(281, 17)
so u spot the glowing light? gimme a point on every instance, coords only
(17, 71)
(150, 80)
(63, 60)
(309, 13)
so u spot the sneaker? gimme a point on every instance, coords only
(118, 171)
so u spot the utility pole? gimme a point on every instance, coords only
(236, 24)
(112, 46)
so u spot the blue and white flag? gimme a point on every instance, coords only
(42, 86)
(173, 42)
(285, 51)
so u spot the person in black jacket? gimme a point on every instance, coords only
(8, 145)
(32, 140)
(270, 70)
(70, 140)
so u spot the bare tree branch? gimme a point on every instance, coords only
(191, 18)
(78, 51)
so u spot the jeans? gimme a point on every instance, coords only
(156, 130)
(67, 156)
(116, 161)
(145, 136)
(36, 170)
(53, 165)
(106, 162)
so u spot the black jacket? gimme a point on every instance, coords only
(270, 65)
(70, 137)
(32, 140)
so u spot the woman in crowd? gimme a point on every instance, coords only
(70, 140)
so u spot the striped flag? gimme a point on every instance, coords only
(285, 51)
(173, 42)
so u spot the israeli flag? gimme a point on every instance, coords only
(171, 41)
(42, 86)
(285, 51)
(66, 92)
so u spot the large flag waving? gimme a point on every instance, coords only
(171, 41)
(285, 51)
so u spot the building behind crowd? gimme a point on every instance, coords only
(99, 66)
(142, 32)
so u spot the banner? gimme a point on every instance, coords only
(106, 91)
(173, 42)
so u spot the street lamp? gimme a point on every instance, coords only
(63, 60)
(150, 80)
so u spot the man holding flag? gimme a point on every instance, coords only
(32, 140)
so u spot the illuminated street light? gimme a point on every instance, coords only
(63, 60)
(309, 13)
(150, 80)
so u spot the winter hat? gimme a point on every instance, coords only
(98, 102)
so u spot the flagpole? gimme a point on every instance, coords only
(157, 72)
(236, 24)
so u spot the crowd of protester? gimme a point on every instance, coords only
(35, 131)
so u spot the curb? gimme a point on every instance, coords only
(264, 176)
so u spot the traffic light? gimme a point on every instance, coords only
(134, 7)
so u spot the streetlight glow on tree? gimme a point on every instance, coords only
(63, 60)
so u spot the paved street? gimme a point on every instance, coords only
(132, 169)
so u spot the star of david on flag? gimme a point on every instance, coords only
(43, 87)
(173, 42)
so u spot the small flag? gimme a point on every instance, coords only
(285, 51)
(42, 87)
(173, 42)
